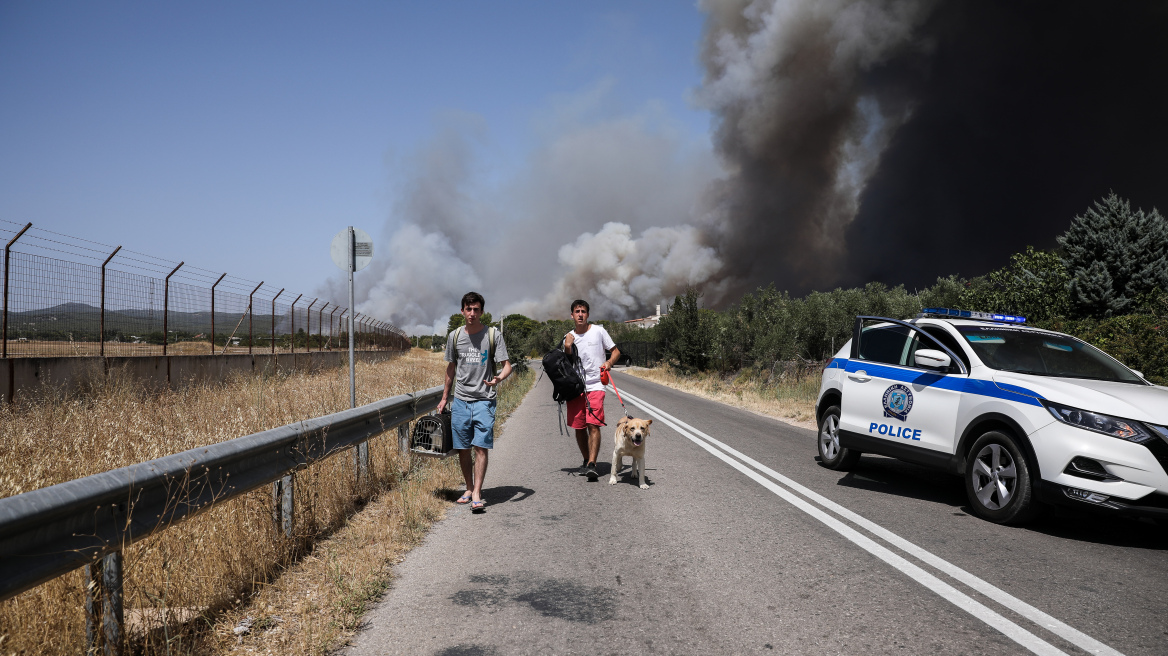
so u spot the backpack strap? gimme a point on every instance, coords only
(491, 348)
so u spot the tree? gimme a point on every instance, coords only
(1114, 256)
(688, 332)
(1033, 285)
(456, 320)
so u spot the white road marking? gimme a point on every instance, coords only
(998, 622)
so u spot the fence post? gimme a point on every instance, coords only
(101, 327)
(283, 504)
(331, 326)
(274, 319)
(308, 328)
(320, 327)
(292, 329)
(250, 334)
(341, 321)
(166, 308)
(104, 614)
(213, 312)
(7, 268)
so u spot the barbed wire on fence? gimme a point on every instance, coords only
(70, 296)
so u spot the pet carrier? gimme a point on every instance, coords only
(432, 436)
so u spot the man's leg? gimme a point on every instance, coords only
(582, 442)
(467, 473)
(480, 472)
(593, 442)
(462, 426)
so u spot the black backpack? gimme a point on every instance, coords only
(563, 370)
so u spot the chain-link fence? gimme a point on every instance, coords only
(124, 303)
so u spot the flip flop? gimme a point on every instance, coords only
(464, 499)
(477, 505)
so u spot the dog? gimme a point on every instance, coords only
(630, 441)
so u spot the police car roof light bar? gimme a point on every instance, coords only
(976, 316)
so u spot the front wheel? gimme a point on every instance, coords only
(997, 480)
(831, 454)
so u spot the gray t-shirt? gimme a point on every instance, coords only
(473, 370)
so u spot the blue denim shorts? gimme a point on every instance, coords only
(473, 423)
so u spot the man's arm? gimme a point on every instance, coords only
(568, 341)
(612, 359)
(448, 386)
(501, 375)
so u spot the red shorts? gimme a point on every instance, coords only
(579, 413)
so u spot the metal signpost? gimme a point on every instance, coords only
(352, 250)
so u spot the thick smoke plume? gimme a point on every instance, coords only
(886, 140)
(799, 126)
(902, 140)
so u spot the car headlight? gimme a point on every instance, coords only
(1124, 429)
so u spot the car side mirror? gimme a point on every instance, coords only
(932, 359)
(1138, 373)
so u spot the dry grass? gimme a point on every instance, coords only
(790, 398)
(186, 586)
(316, 606)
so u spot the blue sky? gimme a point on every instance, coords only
(241, 137)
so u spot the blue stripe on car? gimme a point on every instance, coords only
(929, 379)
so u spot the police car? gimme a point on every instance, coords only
(1025, 416)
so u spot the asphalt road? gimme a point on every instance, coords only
(744, 544)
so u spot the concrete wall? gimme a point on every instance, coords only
(20, 376)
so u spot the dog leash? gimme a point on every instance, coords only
(607, 380)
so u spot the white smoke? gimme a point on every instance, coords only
(620, 275)
(416, 287)
(561, 228)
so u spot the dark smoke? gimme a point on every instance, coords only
(899, 141)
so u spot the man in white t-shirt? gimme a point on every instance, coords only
(586, 412)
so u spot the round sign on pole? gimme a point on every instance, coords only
(340, 249)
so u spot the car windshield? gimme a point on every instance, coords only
(1044, 354)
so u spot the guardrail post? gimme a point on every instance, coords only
(361, 459)
(101, 328)
(166, 313)
(104, 614)
(7, 268)
(403, 438)
(283, 504)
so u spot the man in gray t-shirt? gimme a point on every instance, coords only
(473, 375)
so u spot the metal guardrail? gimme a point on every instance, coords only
(53, 530)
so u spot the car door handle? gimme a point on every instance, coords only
(860, 377)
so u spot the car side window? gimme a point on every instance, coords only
(943, 336)
(883, 343)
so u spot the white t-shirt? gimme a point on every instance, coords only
(591, 347)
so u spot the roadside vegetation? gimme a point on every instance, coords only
(223, 581)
